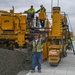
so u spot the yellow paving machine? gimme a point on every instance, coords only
(13, 29)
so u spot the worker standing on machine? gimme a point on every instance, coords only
(30, 14)
(37, 49)
(70, 44)
(42, 9)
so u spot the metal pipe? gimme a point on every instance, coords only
(58, 3)
(51, 5)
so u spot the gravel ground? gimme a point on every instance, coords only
(12, 62)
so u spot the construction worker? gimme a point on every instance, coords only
(70, 45)
(30, 15)
(42, 9)
(31, 11)
(37, 49)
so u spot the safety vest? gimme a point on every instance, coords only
(69, 40)
(31, 11)
(42, 10)
(37, 47)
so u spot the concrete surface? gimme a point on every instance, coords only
(14, 61)
(65, 67)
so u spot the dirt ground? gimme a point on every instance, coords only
(12, 62)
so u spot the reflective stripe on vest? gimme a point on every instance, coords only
(38, 48)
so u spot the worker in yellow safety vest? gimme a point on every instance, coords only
(31, 11)
(37, 49)
(70, 45)
(30, 16)
(70, 40)
(42, 9)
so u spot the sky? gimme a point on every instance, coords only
(67, 6)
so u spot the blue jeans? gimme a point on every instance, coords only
(36, 57)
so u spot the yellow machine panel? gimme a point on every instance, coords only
(7, 23)
(22, 21)
(44, 51)
(21, 39)
(42, 16)
(56, 22)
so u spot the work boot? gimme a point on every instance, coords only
(39, 71)
(32, 71)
